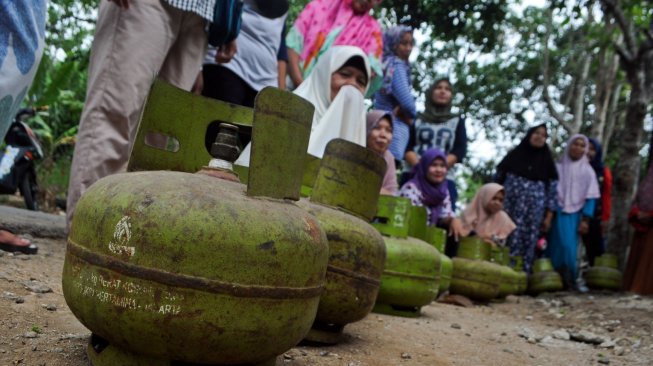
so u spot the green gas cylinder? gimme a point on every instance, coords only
(544, 278)
(509, 278)
(344, 199)
(438, 238)
(604, 274)
(517, 264)
(167, 267)
(473, 275)
(411, 276)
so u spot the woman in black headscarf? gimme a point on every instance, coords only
(529, 176)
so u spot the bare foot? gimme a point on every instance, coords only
(9, 238)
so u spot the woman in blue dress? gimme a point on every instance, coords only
(529, 177)
(578, 190)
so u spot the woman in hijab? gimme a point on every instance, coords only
(485, 217)
(428, 188)
(594, 240)
(529, 176)
(638, 276)
(327, 23)
(396, 94)
(379, 136)
(578, 190)
(335, 88)
(438, 128)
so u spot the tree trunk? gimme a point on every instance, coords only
(608, 66)
(626, 172)
(614, 117)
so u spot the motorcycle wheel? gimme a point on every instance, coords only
(29, 189)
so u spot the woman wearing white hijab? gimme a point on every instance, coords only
(336, 88)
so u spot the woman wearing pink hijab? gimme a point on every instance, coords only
(638, 276)
(485, 217)
(326, 23)
(578, 190)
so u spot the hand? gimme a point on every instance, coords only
(121, 3)
(546, 225)
(198, 86)
(399, 113)
(583, 227)
(488, 239)
(226, 52)
(456, 229)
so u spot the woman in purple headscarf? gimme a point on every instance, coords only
(428, 188)
(577, 193)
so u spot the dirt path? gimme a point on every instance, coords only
(39, 329)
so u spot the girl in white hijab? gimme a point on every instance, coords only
(336, 88)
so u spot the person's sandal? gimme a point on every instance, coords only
(12, 248)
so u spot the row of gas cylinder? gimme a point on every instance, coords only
(166, 267)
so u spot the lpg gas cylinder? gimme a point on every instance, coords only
(169, 268)
(343, 199)
(473, 275)
(517, 264)
(412, 268)
(438, 238)
(509, 279)
(604, 274)
(544, 278)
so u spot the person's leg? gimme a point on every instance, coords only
(11, 242)
(129, 48)
(20, 57)
(593, 241)
(223, 84)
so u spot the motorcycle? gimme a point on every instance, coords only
(17, 162)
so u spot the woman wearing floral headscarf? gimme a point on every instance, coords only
(428, 188)
(396, 91)
(326, 23)
(638, 276)
(577, 193)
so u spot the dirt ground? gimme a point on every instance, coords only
(37, 328)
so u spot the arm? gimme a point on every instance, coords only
(411, 192)
(198, 86)
(410, 156)
(401, 90)
(459, 148)
(448, 219)
(121, 3)
(587, 212)
(293, 67)
(226, 52)
(281, 70)
(282, 61)
(606, 195)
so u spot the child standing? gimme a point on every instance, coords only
(396, 95)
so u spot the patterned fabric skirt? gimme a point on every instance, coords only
(22, 32)
(525, 203)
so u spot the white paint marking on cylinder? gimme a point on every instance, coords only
(121, 237)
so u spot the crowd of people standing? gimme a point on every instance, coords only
(334, 55)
